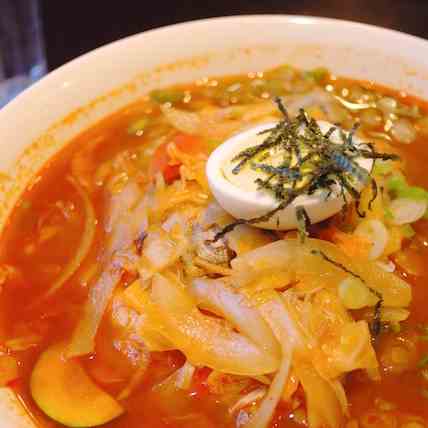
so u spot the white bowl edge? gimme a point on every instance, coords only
(181, 53)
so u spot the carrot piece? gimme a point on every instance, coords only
(161, 161)
(352, 245)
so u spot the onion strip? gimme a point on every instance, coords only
(265, 412)
(85, 243)
(83, 339)
(250, 398)
(217, 297)
(211, 267)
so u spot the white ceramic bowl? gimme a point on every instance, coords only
(44, 118)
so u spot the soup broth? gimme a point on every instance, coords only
(100, 257)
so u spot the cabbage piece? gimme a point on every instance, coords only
(180, 379)
(327, 343)
(282, 317)
(219, 123)
(350, 349)
(205, 340)
(217, 297)
(308, 261)
(126, 220)
(265, 412)
(289, 336)
(245, 238)
(9, 370)
(322, 406)
(159, 252)
(149, 326)
(83, 339)
(248, 399)
(343, 344)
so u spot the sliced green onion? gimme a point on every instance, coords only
(423, 362)
(395, 327)
(377, 234)
(388, 214)
(163, 96)
(318, 74)
(383, 167)
(407, 210)
(387, 105)
(380, 135)
(137, 127)
(413, 192)
(406, 111)
(396, 183)
(403, 131)
(26, 204)
(355, 295)
(352, 106)
(424, 336)
(408, 231)
(399, 187)
(213, 144)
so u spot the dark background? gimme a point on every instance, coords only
(75, 27)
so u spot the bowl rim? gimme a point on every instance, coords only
(57, 76)
(248, 18)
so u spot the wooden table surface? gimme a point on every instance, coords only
(75, 27)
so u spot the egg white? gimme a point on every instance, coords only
(239, 196)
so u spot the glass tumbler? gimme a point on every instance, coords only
(22, 56)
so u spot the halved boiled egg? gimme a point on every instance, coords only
(240, 193)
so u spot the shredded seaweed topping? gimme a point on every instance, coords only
(375, 325)
(307, 161)
(303, 222)
(345, 269)
(339, 265)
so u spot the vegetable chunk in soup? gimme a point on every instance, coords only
(129, 297)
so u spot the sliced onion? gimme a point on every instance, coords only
(387, 105)
(184, 121)
(422, 126)
(204, 340)
(217, 123)
(214, 295)
(406, 210)
(307, 261)
(83, 339)
(376, 232)
(125, 218)
(353, 106)
(249, 399)
(85, 244)
(136, 378)
(149, 324)
(403, 131)
(265, 412)
(9, 369)
(245, 238)
(159, 251)
(371, 117)
(387, 266)
(214, 214)
(184, 376)
(394, 315)
(323, 406)
(288, 334)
